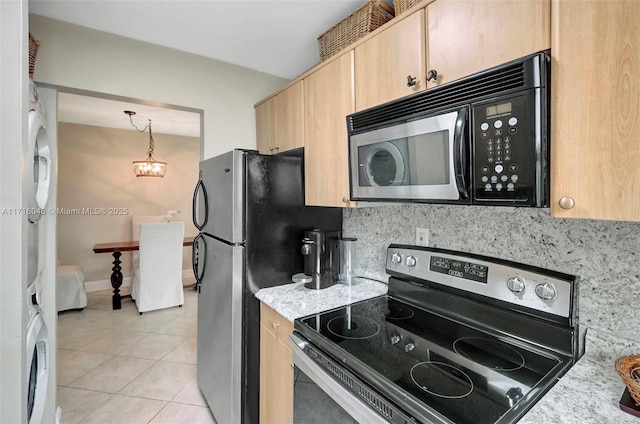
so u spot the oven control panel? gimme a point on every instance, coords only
(457, 268)
(519, 284)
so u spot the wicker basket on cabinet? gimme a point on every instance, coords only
(402, 5)
(628, 367)
(370, 16)
(34, 45)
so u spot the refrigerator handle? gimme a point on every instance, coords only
(195, 259)
(194, 206)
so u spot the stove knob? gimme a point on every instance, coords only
(409, 346)
(396, 258)
(395, 338)
(411, 261)
(516, 284)
(546, 291)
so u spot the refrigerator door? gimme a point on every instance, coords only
(219, 197)
(220, 329)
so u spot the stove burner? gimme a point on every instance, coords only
(489, 353)
(442, 380)
(398, 312)
(355, 327)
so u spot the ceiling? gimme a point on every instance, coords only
(278, 37)
(100, 112)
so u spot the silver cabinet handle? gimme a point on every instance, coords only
(432, 75)
(345, 199)
(275, 325)
(566, 203)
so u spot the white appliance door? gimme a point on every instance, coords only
(218, 200)
(220, 329)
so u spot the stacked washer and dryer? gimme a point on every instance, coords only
(40, 256)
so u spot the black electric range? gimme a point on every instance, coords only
(459, 338)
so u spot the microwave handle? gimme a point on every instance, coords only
(459, 149)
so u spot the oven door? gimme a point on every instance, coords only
(319, 398)
(327, 391)
(420, 160)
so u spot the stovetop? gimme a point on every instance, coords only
(443, 358)
(465, 374)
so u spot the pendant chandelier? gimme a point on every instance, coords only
(148, 167)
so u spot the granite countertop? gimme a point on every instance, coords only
(590, 391)
(294, 300)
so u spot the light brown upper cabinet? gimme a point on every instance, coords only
(595, 152)
(280, 121)
(469, 36)
(328, 99)
(266, 126)
(391, 64)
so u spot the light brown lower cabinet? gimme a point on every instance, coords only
(276, 369)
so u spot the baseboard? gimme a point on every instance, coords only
(97, 285)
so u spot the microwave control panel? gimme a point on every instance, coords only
(504, 151)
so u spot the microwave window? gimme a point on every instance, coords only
(417, 160)
(429, 158)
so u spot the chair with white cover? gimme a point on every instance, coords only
(136, 220)
(158, 278)
(70, 293)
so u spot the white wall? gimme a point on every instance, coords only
(78, 57)
(13, 132)
(95, 171)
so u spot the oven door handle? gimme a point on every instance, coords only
(340, 395)
(460, 152)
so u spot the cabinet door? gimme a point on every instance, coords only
(266, 126)
(276, 379)
(596, 110)
(468, 36)
(289, 119)
(383, 63)
(328, 99)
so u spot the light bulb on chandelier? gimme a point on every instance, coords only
(148, 167)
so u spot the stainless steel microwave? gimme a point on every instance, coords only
(480, 140)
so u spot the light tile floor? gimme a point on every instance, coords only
(122, 367)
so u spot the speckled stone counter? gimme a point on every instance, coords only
(294, 300)
(590, 391)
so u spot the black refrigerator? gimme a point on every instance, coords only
(249, 209)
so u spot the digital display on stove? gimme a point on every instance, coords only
(460, 269)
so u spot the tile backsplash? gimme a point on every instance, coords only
(604, 254)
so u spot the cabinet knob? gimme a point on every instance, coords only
(275, 325)
(411, 81)
(345, 199)
(566, 203)
(277, 148)
(271, 148)
(432, 75)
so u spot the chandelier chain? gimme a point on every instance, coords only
(135, 126)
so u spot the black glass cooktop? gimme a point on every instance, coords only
(415, 357)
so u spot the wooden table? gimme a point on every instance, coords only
(116, 275)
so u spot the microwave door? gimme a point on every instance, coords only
(421, 160)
